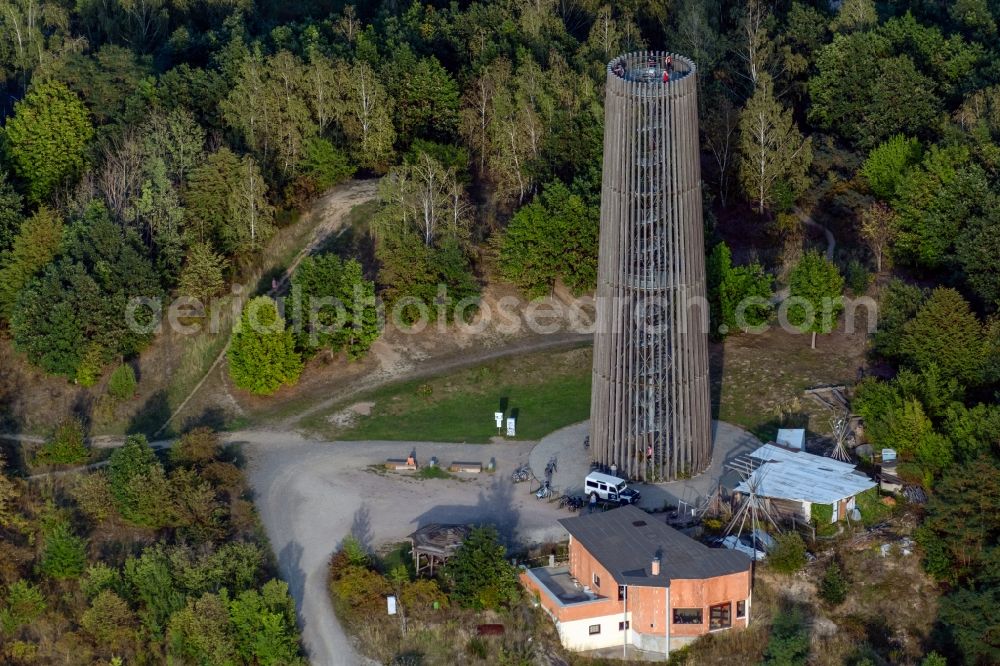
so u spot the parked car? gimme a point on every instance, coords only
(610, 489)
(755, 545)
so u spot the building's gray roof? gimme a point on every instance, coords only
(804, 477)
(626, 549)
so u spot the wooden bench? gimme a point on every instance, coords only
(401, 465)
(470, 467)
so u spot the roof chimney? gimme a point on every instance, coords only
(655, 566)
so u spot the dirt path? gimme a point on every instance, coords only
(332, 208)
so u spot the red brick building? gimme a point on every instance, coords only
(632, 579)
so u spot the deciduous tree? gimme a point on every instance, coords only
(264, 625)
(74, 315)
(552, 238)
(879, 229)
(855, 15)
(201, 632)
(227, 202)
(34, 246)
(730, 290)
(888, 162)
(47, 138)
(262, 354)
(816, 280)
(337, 306)
(866, 93)
(109, 622)
(364, 112)
(773, 151)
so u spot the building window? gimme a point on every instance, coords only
(741, 608)
(594, 629)
(622, 626)
(719, 616)
(597, 580)
(622, 593)
(687, 616)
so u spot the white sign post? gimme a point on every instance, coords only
(510, 427)
(390, 602)
(498, 416)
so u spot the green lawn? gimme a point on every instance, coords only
(543, 391)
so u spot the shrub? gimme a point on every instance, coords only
(857, 277)
(262, 354)
(789, 643)
(359, 589)
(421, 595)
(93, 495)
(64, 554)
(833, 585)
(350, 554)
(789, 555)
(934, 659)
(22, 605)
(435, 472)
(479, 574)
(195, 448)
(122, 384)
(65, 446)
(109, 621)
(99, 577)
(477, 647)
(91, 365)
(821, 514)
(324, 165)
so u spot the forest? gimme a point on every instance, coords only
(151, 149)
(145, 561)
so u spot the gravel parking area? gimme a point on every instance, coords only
(573, 464)
(311, 494)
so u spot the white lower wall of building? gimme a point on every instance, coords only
(575, 635)
(656, 643)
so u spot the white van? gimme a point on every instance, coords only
(609, 488)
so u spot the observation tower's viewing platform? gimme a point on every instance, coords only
(650, 67)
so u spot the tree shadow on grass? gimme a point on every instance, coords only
(151, 416)
(211, 417)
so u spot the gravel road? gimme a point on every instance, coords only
(311, 494)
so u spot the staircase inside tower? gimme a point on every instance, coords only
(649, 280)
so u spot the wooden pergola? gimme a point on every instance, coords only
(432, 545)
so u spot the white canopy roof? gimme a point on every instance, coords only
(804, 477)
